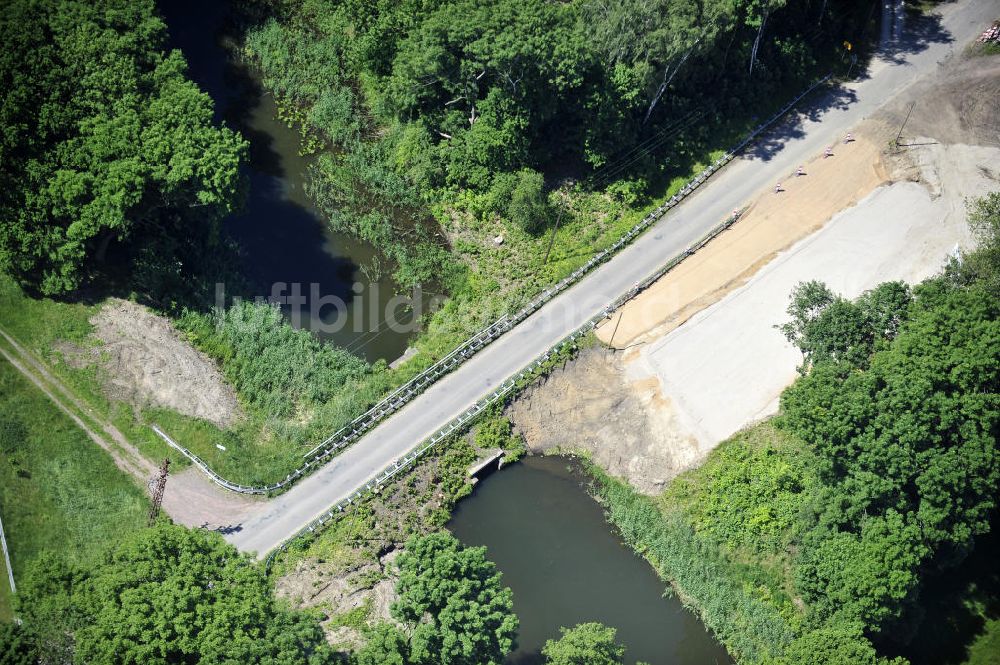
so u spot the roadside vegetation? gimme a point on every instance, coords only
(811, 538)
(476, 118)
(83, 561)
(553, 127)
(59, 492)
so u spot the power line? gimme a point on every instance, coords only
(642, 147)
(688, 121)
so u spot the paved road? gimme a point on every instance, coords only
(826, 119)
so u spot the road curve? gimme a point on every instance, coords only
(824, 120)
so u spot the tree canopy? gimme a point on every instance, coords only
(585, 644)
(444, 101)
(164, 595)
(901, 403)
(810, 538)
(452, 604)
(103, 140)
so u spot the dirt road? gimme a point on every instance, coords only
(192, 499)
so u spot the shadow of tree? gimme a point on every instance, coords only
(921, 31)
(278, 238)
(770, 143)
(953, 609)
(532, 658)
(225, 530)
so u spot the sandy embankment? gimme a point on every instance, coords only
(773, 222)
(703, 358)
(143, 361)
(728, 365)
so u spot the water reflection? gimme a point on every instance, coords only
(282, 237)
(566, 566)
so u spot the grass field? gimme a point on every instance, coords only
(39, 324)
(6, 599)
(59, 492)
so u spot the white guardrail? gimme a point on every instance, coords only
(401, 396)
(469, 415)
(6, 558)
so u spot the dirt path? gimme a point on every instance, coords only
(190, 499)
(129, 461)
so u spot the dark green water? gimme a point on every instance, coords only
(566, 566)
(281, 236)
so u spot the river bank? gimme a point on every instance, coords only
(282, 238)
(699, 364)
(566, 566)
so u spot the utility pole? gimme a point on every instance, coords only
(158, 483)
(552, 238)
(905, 120)
(621, 313)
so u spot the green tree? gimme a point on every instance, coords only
(386, 645)
(827, 327)
(907, 450)
(528, 207)
(807, 302)
(165, 595)
(452, 599)
(867, 577)
(584, 644)
(841, 644)
(103, 139)
(15, 647)
(984, 262)
(49, 610)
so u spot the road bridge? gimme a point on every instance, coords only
(823, 121)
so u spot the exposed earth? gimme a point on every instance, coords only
(627, 426)
(339, 588)
(144, 361)
(702, 358)
(771, 223)
(192, 499)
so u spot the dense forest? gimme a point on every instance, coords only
(112, 166)
(420, 110)
(810, 538)
(486, 107)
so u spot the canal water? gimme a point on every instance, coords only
(558, 555)
(281, 236)
(566, 566)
